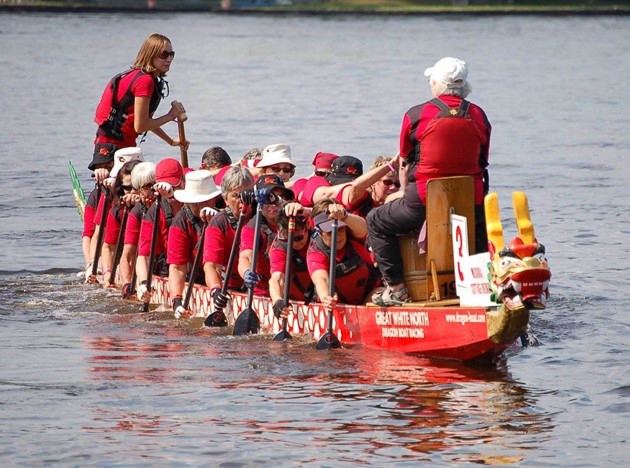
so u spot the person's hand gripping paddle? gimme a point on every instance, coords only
(329, 339)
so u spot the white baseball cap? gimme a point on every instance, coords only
(450, 71)
(124, 155)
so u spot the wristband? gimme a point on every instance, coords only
(391, 168)
(177, 302)
(143, 283)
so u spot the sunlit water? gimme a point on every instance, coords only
(87, 379)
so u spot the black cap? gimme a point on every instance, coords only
(103, 154)
(344, 169)
(272, 181)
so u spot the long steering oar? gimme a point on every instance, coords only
(329, 340)
(154, 234)
(195, 267)
(247, 321)
(101, 233)
(284, 335)
(182, 139)
(119, 245)
(217, 318)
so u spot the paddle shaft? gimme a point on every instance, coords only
(234, 250)
(119, 245)
(154, 234)
(182, 141)
(332, 270)
(195, 267)
(257, 224)
(287, 268)
(101, 231)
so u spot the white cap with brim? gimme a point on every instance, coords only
(200, 187)
(276, 154)
(450, 71)
(124, 155)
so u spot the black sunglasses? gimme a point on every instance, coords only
(389, 183)
(321, 173)
(127, 188)
(166, 54)
(286, 170)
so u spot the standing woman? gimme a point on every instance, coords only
(131, 98)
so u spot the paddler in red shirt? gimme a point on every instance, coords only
(272, 193)
(199, 198)
(221, 232)
(356, 277)
(169, 176)
(301, 286)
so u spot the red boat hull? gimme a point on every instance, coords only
(462, 333)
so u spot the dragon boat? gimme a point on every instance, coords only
(494, 291)
(466, 307)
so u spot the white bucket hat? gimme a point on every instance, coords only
(124, 155)
(200, 187)
(276, 154)
(450, 71)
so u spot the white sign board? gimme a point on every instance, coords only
(471, 271)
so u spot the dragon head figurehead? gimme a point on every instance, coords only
(519, 274)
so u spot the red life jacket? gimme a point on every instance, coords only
(450, 145)
(352, 273)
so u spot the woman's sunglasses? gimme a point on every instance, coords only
(285, 169)
(127, 188)
(389, 183)
(321, 173)
(166, 54)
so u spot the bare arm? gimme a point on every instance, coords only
(212, 273)
(126, 262)
(359, 186)
(244, 262)
(276, 286)
(107, 262)
(176, 280)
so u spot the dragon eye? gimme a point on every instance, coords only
(542, 258)
(507, 261)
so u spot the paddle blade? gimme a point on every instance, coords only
(216, 319)
(246, 322)
(328, 341)
(283, 335)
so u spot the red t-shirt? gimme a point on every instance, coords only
(262, 262)
(182, 239)
(217, 246)
(89, 213)
(299, 270)
(134, 222)
(313, 183)
(353, 286)
(143, 87)
(298, 186)
(146, 231)
(112, 228)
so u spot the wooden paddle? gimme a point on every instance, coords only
(101, 231)
(182, 138)
(217, 318)
(119, 245)
(329, 340)
(195, 267)
(154, 234)
(247, 321)
(284, 335)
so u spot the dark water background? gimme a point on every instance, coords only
(85, 379)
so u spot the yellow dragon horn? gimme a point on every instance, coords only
(493, 221)
(523, 219)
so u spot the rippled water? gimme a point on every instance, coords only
(86, 379)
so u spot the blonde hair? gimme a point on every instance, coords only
(380, 161)
(143, 173)
(152, 46)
